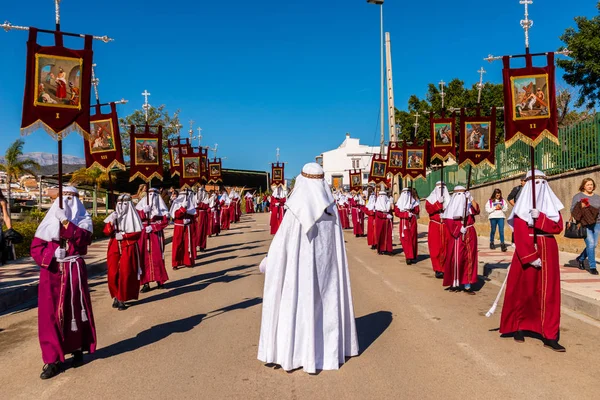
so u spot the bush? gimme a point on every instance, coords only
(28, 226)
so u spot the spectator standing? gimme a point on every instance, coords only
(4, 221)
(585, 209)
(512, 198)
(496, 207)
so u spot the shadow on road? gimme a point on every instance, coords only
(203, 277)
(210, 253)
(228, 246)
(369, 327)
(149, 336)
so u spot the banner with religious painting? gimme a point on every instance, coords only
(378, 171)
(214, 171)
(103, 149)
(529, 102)
(177, 148)
(57, 88)
(146, 154)
(443, 146)
(416, 166)
(191, 170)
(203, 164)
(395, 158)
(355, 180)
(477, 140)
(277, 176)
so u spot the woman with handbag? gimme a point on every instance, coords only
(496, 206)
(585, 209)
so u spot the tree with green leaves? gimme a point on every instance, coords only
(15, 165)
(94, 177)
(156, 116)
(582, 69)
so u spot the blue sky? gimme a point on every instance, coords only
(257, 75)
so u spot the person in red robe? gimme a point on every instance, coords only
(183, 211)
(155, 217)
(384, 221)
(369, 210)
(226, 210)
(124, 227)
(65, 317)
(278, 199)
(202, 211)
(356, 203)
(435, 204)
(532, 298)
(461, 261)
(343, 206)
(407, 209)
(214, 222)
(61, 84)
(233, 206)
(249, 198)
(238, 207)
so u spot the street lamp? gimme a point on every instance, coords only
(382, 139)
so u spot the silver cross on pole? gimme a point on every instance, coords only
(95, 82)
(480, 85)
(146, 106)
(442, 83)
(191, 131)
(526, 23)
(57, 12)
(277, 154)
(199, 136)
(214, 150)
(416, 124)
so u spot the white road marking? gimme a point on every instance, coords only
(480, 359)
(580, 317)
(425, 313)
(371, 270)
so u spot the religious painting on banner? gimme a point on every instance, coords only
(415, 161)
(378, 169)
(214, 171)
(57, 88)
(395, 158)
(277, 174)
(530, 102)
(103, 149)
(477, 140)
(203, 164)
(146, 154)
(443, 145)
(176, 151)
(355, 180)
(191, 170)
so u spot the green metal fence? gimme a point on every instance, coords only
(579, 148)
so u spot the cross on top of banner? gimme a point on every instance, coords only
(442, 93)
(526, 23)
(146, 106)
(480, 85)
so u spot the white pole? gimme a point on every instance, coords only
(382, 139)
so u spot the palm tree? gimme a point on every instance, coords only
(16, 166)
(94, 177)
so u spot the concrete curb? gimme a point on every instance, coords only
(14, 297)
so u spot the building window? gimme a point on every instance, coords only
(365, 177)
(356, 163)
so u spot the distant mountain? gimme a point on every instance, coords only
(48, 159)
(48, 170)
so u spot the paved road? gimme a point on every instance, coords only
(198, 339)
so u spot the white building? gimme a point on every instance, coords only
(349, 155)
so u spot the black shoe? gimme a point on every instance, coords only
(408, 261)
(115, 303)
(439, 275)
(145, 288)
(503, 247)
(593, 271)
(50, 370)
(581, 264)
(160, 286)
(553, 344)
(519, 337)
(373, 247)
(122, 306)
(492, 246)
(77, 359)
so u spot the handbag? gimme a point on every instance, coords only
(573, 230)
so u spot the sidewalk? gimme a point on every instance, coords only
(19, 279)
(580, 289)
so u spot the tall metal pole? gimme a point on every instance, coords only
(382, 139)
(60, 144)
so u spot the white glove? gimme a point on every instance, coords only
(113, 217)
(535, 213)
(389, 216)
(60, 214)
(463, 230)
(147, 209)
(148, 229)
(119, 236)
(263, 265)
(468, 196)
(60, 253)
(186, 221)
(537, 263)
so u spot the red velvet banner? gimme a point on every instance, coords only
(443, 145)
(530, 102)
(395, 159)
(355, 180)
(177, 148)
(277, 176)
(214, 171)
(416, 167)
(477, 140)
(191, 169)
(146, 154)
(378, 171)
(103, 149)
(203, 164)
(57, 88)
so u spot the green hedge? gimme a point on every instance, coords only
(28, 226)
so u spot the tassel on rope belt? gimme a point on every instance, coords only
(70, 261)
